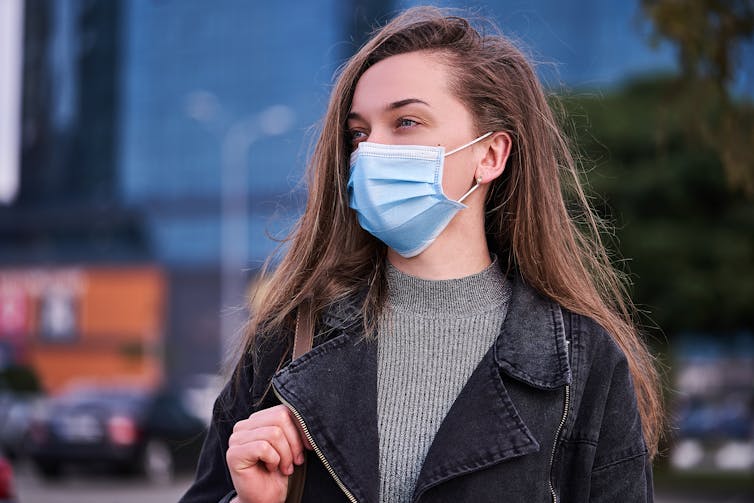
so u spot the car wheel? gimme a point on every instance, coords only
(157, 462)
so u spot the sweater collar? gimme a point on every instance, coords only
(487, 290)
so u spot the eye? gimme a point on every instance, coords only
(355, 135)
(404, 123)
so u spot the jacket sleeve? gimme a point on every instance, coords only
(622, 470)
(212, 482)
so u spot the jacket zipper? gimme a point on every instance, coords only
(321, 456)
(557, 435)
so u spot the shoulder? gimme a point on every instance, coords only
(593, 349)
(597, 360)
(604, 402)
(246, 387)
(272, 350)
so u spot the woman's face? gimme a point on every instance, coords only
(406, 100)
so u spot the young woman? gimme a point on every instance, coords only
(471, 339)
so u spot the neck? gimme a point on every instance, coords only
(461, 250)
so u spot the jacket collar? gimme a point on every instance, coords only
(531, 347)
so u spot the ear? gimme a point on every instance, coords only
(492, 163)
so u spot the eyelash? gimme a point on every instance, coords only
(402, 119)
(399, 124)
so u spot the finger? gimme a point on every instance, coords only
(297, 432)
(279, 415)
(304, 439)
(272, 434)
(241, 457)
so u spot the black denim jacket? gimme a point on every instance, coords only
(549, 414)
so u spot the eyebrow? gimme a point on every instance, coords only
(392, 106)
(403, 103)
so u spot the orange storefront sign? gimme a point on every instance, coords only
(85, 324)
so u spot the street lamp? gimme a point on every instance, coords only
(237, 137)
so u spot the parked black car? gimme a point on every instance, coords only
(133, 431)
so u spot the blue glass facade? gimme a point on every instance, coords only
(193, 71)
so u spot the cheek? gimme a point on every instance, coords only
(458, 175)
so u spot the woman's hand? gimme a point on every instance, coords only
(261, 453)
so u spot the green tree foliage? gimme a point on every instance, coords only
(688, 238)
(708, 35)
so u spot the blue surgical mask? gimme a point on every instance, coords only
(396, 191)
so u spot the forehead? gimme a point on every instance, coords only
(416, 75)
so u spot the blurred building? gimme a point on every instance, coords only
(75, 325)
(172, 135)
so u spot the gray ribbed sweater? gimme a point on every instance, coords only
(432, 334)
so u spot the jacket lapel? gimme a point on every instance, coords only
(483, 427)
(334, 388)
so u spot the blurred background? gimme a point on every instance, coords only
(152, 155)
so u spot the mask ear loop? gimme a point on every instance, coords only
(469, 144)
(472, 189)
(479, 178)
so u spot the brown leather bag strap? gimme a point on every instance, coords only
(304, 330)
(296, 483)
(302, 343)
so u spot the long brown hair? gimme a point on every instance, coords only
(538, 219)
